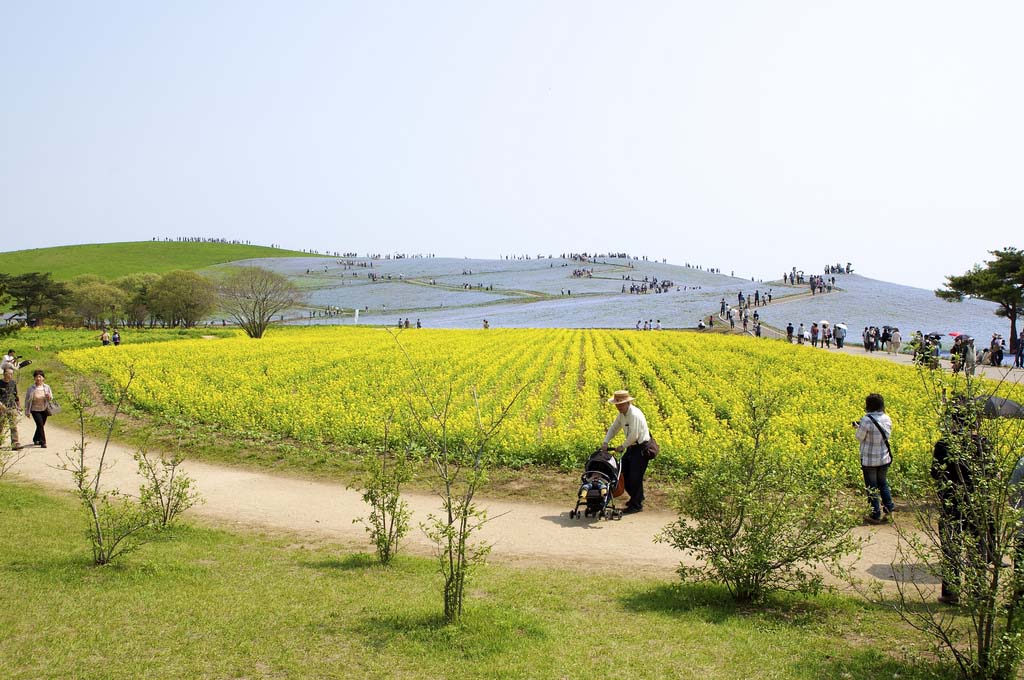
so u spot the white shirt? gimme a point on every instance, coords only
(633, 423)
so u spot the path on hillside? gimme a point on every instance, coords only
(521, 533)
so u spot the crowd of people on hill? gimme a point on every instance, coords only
(648, 285)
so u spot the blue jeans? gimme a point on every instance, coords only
(876, 483)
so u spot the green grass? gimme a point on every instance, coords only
(111, 260)
(208, 603)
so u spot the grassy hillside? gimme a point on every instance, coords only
(117, 259)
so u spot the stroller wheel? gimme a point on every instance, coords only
(572, 514)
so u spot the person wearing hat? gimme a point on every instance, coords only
(637, 443)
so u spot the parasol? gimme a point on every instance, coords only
(823, 322)
(841, 325)
(997, 407)
(955, 334)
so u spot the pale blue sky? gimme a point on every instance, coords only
(749, 135)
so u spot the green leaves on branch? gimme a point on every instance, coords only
(759, 518)
(117, 523)
(389, 517)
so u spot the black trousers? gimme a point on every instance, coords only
(634, 465)
(40, 417)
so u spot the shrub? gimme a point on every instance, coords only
(758, 516)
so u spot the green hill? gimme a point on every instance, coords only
(111, 260)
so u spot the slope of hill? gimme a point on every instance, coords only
(867, 302)
(544, 293)
(536, 293)
(111, 260)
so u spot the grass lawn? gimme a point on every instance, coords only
(204, 602)
(111, 260)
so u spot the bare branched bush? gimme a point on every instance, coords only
(965, 533)
(461, 467)
(117, 522)
(166, 491)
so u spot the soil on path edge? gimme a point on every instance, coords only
(520, 532)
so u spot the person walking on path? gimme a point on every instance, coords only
(1018, 358)
(638, 445)
(873, 432)
(37, 399)
(10, 407)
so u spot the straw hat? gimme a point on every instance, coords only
(621, 397)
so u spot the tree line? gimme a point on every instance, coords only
(250, 296)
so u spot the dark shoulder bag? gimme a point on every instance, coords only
(651, 449)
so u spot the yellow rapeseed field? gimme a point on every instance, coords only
(339, 385)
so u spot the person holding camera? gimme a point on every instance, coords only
(9, 361)
(873, 432)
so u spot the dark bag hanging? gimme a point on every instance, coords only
(651, 448)
(885, 438)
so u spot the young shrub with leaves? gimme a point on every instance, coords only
(118, 523)
(967, 529)
(460, 465)
(167, 491)
(758, 516)
(388, 521)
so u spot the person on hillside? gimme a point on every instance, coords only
(873, 432)
(105, 337)
(1018, 357)
(789, 332)
(814, 334)
(10, 406)
(800, 335)
(116, 338)
(895, 341)
(638, 444)
(37, 399)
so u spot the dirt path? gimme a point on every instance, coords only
(522, 533)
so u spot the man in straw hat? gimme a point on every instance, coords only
(638, 445)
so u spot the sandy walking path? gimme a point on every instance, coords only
(521, 533)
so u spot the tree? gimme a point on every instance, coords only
(1001, 281)
(758, 518)
(136, 288)
(253, 295)
(37, 295)
(963, 531)
(461, 469)
(96, 301)
(182, 298)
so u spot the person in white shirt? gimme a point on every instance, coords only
(637, 445)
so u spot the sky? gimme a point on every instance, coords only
(749, 136)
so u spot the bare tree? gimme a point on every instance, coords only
(253, 295)
(964, 532)
(461, 468)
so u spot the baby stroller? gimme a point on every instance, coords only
(598, 485)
